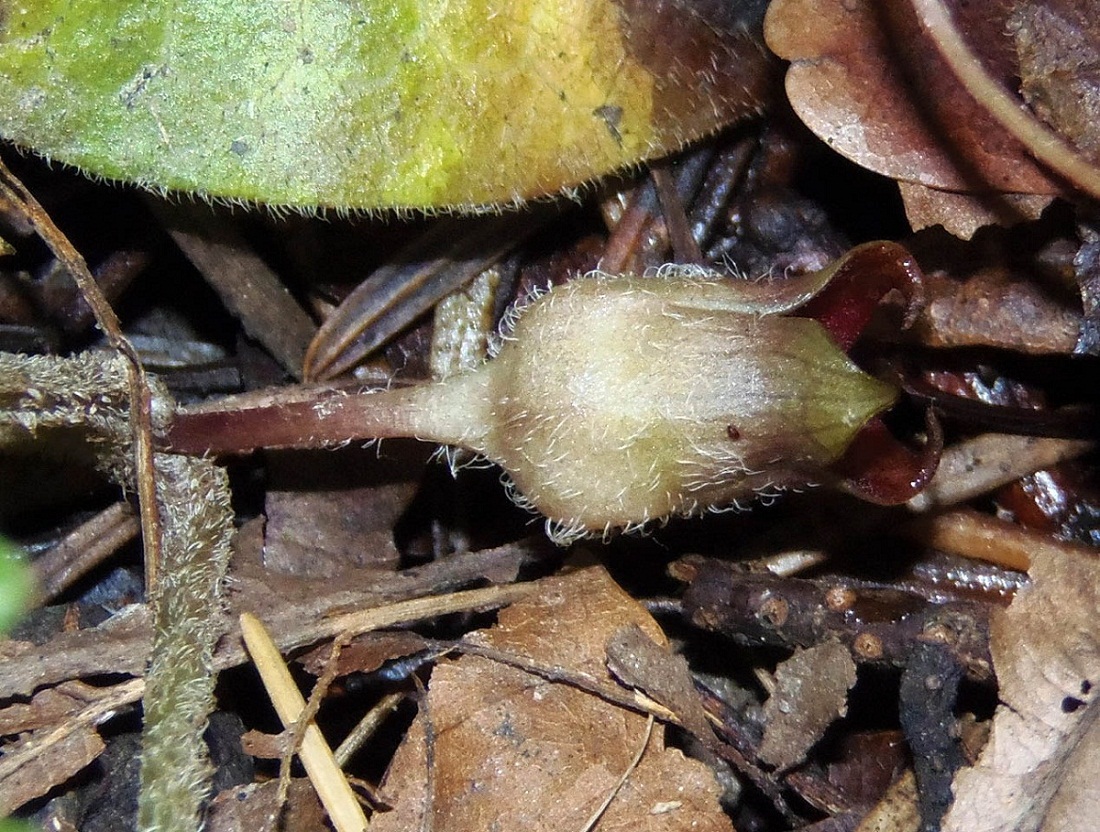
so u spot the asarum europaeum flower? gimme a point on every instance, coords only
(615, 400)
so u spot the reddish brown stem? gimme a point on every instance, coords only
(446, 413)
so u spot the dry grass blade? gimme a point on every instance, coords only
(84, 548)
(324, 772)
(451, 254)
(366, 727)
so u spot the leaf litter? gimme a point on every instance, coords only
(514, 748)
(887, 596)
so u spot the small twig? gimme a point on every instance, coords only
(99, 711)
(428, 818)
(417, 609)
(366, 727)
(633, 700)
(626, 231)
(592, 821)
(324, 773)
(114, 274)
(83, 549)
(685, 248)
(723, 177)
(660, 193)
(127, 647)
(306, 717)
(789, 562)
(12, 190)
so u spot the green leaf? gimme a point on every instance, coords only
(16, 587)
(372, 103)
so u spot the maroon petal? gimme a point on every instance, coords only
(859, 282)
(877, 467)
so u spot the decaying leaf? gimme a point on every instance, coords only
(811, 692)
(42, 772)
(996, 307)
(848, 81)
(640, 663)
(512, 750)
(323, 519)
(1041, 765)
(868, 82)
(962, 214)
(1058, 43)
(375, 103)
(251, 807)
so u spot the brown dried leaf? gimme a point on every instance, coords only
(365, 653)
(328, 514)
(868, 762)
(996, 307)
(1042, 762)
(264, 746)
(121, 644)
(811, 692)
(514, 751)
(963, 214)
(48, 707)
(56, 764)
(252, 807)
(867, 80)
(1058, 44)
(640, 663)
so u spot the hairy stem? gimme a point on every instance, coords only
(449, 413)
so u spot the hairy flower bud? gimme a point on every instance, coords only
(616, 400)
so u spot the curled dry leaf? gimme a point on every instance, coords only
(963, 214)
(1042, 762)
(512, 750)
(872, 85)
